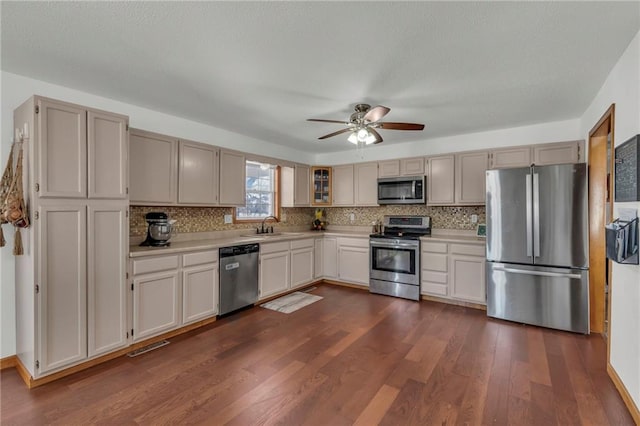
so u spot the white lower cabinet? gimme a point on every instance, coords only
(330, 257)
(453, 271)
(353, 260)
(275, 272)
(155, 304)
(302, 262)
(200, 287)
(318, 258)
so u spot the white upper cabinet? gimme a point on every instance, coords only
(403, 167)
(471, 177)
(343, 185)
(233, 172)
(511, 157)
(440, 180)
(295, 186)
(153, 168)
(198, 173)
(366, 184)
(108, 152)
(557, 153)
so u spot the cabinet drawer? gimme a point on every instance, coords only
(434, 247)
(296, 244)
(434, 277)
(434, 262)
(274, 247)
(200, 257)
(155, 264)
(353, 242)
(468, 249)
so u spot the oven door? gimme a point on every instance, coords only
(395, 260)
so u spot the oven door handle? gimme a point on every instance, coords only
(392, 245)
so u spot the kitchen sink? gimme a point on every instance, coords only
(272, 234)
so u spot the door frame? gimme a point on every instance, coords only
(603, 127)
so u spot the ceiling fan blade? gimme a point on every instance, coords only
(336, 133)
(327, 121)
(400, 126)
(376, 135)
(376, 113)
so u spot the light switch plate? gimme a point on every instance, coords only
(474, 218)
(228, 218)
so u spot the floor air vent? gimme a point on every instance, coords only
(148, 348)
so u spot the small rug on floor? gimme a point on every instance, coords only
(291, 302)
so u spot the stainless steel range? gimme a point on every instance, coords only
(394, 262)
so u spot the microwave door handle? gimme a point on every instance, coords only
(413, 189)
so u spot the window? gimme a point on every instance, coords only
(262, 193)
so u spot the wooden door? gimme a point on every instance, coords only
(440, 181)
(389, 168)
(301, 186)
(62, 150)
(302, 270)
(511, 157)
(274, 273)
(233, 185)
(343, 185)
(600, 212)
(153, 168)
(321, 182)
(330, 257)
(412, 166)
(107, 252)
(557, 153)
(62, 283)
(470, 177)
(366, 184)
(197, 173)
(468, 278)
(353, 264)
(108, 154)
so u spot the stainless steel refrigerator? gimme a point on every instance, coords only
(538, 246)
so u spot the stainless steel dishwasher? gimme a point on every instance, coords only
(238, 277)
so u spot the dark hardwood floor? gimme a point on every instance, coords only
(351, 358)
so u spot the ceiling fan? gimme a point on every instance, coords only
(363, 124)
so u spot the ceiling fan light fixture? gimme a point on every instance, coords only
(353, 138)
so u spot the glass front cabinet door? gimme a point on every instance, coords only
(321, 186)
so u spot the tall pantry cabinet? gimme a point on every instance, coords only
(70, 282)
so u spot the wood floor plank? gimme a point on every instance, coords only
(350, 358)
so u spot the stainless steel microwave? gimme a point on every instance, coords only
(402, 190)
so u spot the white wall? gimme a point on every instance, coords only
(557, 131)
(622, 87)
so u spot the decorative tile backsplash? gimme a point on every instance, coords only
(207, 219)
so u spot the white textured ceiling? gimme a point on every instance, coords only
(262, 68)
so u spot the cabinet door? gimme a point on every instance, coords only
(343, 185)
(197, 174)
(412, 166)
(62, 150)
(366, 184)
(62, 277)
(556, 153)
(233, 185)
(108, 153)
(470, 177)
(511, 157)
(301, 186)
(468, 278)
(389, 168)
(155, 304)
(199, 292)
(108, 243)
(153, 168)
(330, 257)
(321, 186)
(302, 270)
(353, 264)
(274, 273)
(440, 180)
(318, 258)
(434, 278)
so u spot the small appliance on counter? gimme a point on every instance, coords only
(158, 230)
(394, 263)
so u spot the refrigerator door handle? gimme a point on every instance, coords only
(539, 273)
(529, 225)
(536, 215)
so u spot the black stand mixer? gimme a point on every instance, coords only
(159, 229)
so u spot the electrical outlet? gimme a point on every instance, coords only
(228, 218)
(352, 217)
(474, 218)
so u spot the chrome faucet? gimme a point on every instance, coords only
(262, 230)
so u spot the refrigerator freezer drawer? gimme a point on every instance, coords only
(548, 297)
